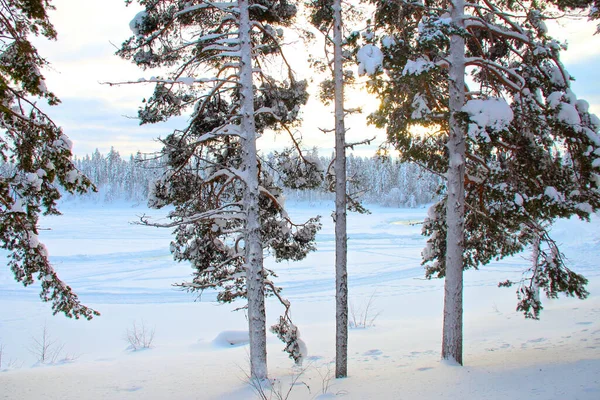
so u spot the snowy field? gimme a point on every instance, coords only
(126, 271)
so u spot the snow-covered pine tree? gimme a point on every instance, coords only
(227, 209)
(528, 147)
(114, 171)
(129, 181)
(35, 153)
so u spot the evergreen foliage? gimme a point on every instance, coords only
(533, 149)
(35, 154)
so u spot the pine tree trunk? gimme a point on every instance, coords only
(535, 261)
(453, 288)
(253, 241)
(341, 250)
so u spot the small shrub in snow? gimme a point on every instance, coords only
(326, 377)
(45, 348)
(139, 336)
(363, 316)
(10, 364)
(269, 389)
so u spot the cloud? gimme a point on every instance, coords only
(96, 123)
(579, 36)
(83, 56)
(586, 85)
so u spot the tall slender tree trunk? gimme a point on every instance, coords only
(253, 240)
(341, 243)
(535, 261)
(453, 288)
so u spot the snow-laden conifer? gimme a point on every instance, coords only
(227, 208)
(35, 154)
(528, 145)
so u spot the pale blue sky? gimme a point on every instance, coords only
(94, 115)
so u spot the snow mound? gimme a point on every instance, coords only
(232, 338)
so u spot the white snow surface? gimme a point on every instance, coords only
(420, 107)
(370, 59)
(568, 114)
(199, 351)
(558, 76)
(17, 206)
(388, 41)
(518, 199)
(595, 121)
(137, 22)
(232, 338)
(417, 67)
(554, 99)
(186, 80)
(582, 106)
(553, 194)
(494, 113)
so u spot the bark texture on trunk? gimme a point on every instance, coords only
(453, 288)
(341, 249)
(535, 261)
(253, 240)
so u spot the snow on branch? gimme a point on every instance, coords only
(418, 66)
(499, 71)
(230, 173)
(492, 113)
(472, 22)
(227, 212)
(222, 6)
(186, 80)
(222, 48)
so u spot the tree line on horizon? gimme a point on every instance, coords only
(383, 181)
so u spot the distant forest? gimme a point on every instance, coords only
(376, 180)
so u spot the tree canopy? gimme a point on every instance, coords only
(532, 147)
(35, 154)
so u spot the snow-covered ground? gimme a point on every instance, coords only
(125, 271)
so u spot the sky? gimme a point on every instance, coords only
(96, 115)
